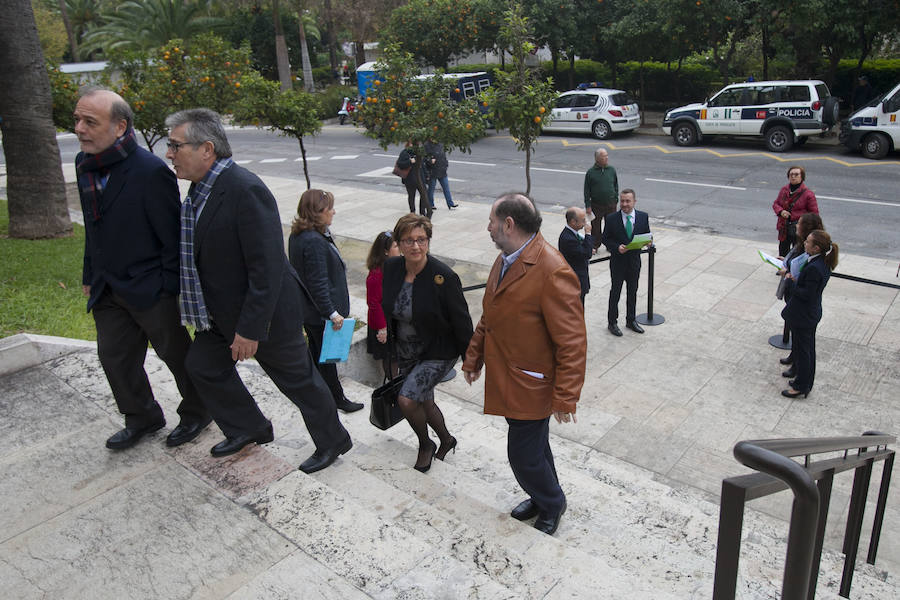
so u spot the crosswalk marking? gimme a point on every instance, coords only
(345, 157)
(308, 158)
(382, 172)
(273, 160)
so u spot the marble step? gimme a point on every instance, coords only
(619, 512)
(457, 514)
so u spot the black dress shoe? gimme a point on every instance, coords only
(348, 407)
(232, 445)
(128, 437)
(549, 525)
(185, 432)
(323, 458)
(634, 327)
(792, 393)
(614, 329)
(525, 510)
(792, 372)
(787, 360)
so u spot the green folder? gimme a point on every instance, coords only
(639, 241)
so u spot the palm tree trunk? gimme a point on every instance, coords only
(308, 84)
(281, 53)
(73, 47)
(35, 187)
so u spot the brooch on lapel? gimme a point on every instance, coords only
(439, 279)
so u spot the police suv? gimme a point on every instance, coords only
(874, 129)
(784, 113)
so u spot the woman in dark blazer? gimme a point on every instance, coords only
(429, 323)
(804, 309)
(318, 262)
(414, 180)
(793, 263)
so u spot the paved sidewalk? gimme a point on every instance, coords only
(673, 401)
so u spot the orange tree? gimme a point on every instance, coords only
(518, 100)
(402, 107)
(64, 92)
(291, 113)
(204, 72)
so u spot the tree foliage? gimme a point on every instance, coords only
(148, 24)
(434, 30)
(518, 100)
(64, 92)
(403, 107)
(174, 77)
(291, 113)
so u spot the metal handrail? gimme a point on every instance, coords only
(811, 484)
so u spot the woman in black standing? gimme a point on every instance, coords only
(316, 258)
(804, 309)
(429, 323)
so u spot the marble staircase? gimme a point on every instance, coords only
(372, 527)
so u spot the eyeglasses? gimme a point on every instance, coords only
(408, 243)
(176, 146)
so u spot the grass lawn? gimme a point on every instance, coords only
(40, 285)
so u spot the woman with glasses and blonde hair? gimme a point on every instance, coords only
(430, 328)
(318, 262)
(804, 309)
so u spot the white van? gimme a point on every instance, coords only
(874, 129)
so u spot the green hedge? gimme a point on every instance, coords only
(883, 74)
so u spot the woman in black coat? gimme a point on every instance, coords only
(315, 257)
(804, 309)
(430, 327)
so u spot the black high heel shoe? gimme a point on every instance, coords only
(793, 393)
(443, 451)
(787, 360)
(424, 468)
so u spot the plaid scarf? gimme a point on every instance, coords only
(190, 301)
(93, 171)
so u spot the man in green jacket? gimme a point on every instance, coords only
(601, 191)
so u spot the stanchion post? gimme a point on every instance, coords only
(649, 318)
(782, 341)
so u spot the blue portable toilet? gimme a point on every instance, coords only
(365, 75)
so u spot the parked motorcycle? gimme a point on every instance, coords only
(346, 110)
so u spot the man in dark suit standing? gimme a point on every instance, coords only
(242, 295)
(577, 249)
(624, 264)
(129, 199)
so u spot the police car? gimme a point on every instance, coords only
(598, 111)
(874, 129)
(784, 113)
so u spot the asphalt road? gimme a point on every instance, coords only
(726, 187)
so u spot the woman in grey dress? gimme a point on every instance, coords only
(429, 323)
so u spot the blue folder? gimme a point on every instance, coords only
(336, 344)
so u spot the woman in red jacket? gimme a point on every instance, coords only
(794, 200)
(376, 343)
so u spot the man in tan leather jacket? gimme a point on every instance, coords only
(532, 338)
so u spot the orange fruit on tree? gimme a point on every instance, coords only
(387, 100)
(434, 128)
(377, 82)
(542, 110)
(537, 119)
(392, 109)
(456, 90)
(409, 103)
(468, 126)
(440, 115)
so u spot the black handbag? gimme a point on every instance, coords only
(385, 411)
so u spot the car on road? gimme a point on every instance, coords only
(874, 129)
(598, 111)
(784, 113)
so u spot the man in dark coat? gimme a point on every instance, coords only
(624, 264)
(129, 199)
(242, 295)
(577, 249)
